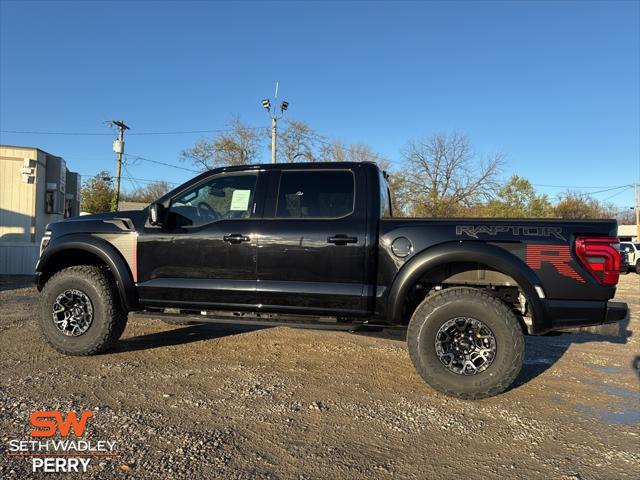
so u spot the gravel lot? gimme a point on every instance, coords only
(237, 402)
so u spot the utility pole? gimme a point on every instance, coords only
(266, 104)
(635, 184)
(118, 147)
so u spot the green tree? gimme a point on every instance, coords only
(518, 198)
(98, 194)
(580, 205)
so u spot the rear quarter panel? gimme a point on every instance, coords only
(546, 246)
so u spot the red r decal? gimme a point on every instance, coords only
(557, 255)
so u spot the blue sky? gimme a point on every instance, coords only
(552, 85)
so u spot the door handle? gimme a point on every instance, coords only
(235, 238)
(341, 239)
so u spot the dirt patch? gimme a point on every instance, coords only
(237, 402)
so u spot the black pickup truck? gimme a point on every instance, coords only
(317, 245)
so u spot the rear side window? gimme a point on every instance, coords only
(315, 194)
(385, 198)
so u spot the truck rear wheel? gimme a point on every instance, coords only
(466, 343)
(80, 313)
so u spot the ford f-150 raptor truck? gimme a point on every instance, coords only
(317, 245)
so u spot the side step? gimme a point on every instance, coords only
(271, 320)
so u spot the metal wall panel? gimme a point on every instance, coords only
(18, 258)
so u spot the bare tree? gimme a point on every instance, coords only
(298, 142)
(338, 151)
(443, 175)
(335, 151)
(239, 146)
(148, 193)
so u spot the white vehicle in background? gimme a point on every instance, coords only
(632, 250)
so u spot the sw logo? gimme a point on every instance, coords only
(47, 423)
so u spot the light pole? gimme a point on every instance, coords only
(266, 104)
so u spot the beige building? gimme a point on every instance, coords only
(35, 189)
(628, 233)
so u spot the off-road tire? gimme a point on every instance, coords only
(109, 318)
(454, 302)
(638, 266)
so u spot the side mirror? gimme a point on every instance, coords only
(157, 214)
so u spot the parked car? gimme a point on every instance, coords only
(624, 262)
(317, 245)
(632, 254)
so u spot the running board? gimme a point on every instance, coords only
(282, 321)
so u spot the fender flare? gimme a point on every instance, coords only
(99, 248)
(468, 251)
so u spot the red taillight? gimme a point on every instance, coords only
(601, 257)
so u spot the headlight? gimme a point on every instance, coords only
(45, 241)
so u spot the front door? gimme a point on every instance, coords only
(206, 256)
(311, 248)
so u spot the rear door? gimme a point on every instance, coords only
(311, 247)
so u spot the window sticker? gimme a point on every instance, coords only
(240, 200)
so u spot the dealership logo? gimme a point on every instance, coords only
(51, 421)
(56, 444)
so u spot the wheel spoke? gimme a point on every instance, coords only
(466, 346)
(72, 312)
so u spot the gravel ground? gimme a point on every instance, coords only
(209, 401)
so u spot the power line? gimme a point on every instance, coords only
(612, 188)
(138, 157)
(173, 132)
(579, 186)
(617, 193)
(54, 133)
(131, 180)
(142, 180)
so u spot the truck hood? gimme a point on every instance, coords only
(109, 222)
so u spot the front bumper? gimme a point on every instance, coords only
(571, 314)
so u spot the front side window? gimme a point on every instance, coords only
(223, 197)
(315, 194)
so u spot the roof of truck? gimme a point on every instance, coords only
(295, 165)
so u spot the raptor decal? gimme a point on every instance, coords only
(517, 230)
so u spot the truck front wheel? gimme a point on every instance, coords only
(466, 343)
(80, 313)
